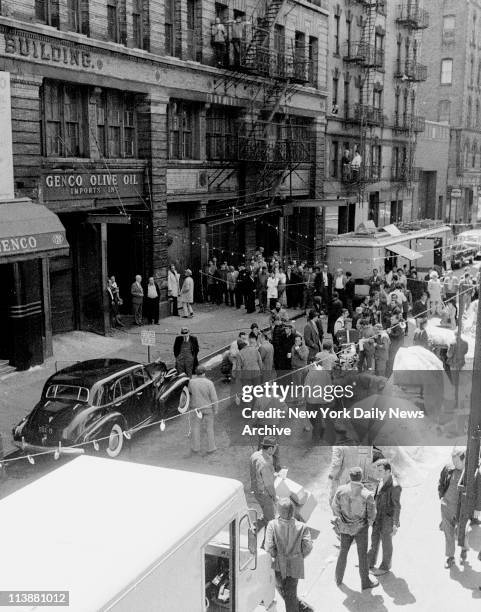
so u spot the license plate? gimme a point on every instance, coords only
(45, 430)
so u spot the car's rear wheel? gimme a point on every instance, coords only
(115, 441)
(184, 401)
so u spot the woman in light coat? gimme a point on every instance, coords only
(173, 288)
(187, 294)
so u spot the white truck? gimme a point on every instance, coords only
(133, 538)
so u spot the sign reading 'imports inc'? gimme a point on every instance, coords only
(84, 185)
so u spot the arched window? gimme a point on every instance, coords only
(469, 113)
(466, 154)
(474, 152)
(478, 118)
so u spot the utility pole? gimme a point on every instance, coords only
(468, 491)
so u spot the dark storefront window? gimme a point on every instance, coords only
(64, 120)
(47, 12)
(116, 124)
(220, 134)
(182, 130)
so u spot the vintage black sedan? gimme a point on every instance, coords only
(108, 399)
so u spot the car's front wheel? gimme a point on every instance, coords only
(115, 441)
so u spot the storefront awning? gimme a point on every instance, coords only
(402, 250)
(29, 230)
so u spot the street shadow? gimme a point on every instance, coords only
(467, 578)
(397, 589)
(364, 601)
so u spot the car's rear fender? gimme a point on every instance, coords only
(169, 387)
(102, 427)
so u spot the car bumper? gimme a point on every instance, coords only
(37, 448)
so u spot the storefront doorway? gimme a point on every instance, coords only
(127, 245)
(6, 301)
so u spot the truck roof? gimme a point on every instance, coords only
(94, 526)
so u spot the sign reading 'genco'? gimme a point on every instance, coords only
(48, 52)
(86, 185)
(27, 244)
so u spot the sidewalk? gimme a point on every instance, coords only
(215, 327)
(418, 581)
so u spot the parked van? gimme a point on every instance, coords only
(127, 537)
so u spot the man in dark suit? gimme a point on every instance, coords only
(349, 292)
(386, 524)
(186, 349)
(334, 312)
(326, 283)
(312, 336)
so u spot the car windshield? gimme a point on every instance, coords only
(68, 392)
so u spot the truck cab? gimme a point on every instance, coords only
(122, 536)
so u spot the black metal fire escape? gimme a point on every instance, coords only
(265, 146)
(368, 56)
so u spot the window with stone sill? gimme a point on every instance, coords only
(220, 133)
(64, 120)
(47, 11)
(116, 123)
(183, 118)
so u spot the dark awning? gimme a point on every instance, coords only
(29, 230)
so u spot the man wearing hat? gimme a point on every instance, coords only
(355, 509)
(262, 479)
(186, 297)
(204, 404)
(186, 349)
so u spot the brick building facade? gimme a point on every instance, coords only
(452, 95)
(375, 55)
(152, 148)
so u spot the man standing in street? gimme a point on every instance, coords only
(288, 542)
(448, 490)
(262, 480)
(455, 357)
(137, 293)
(250, 362)
(311, 336)
(355, 509)
(204, 406)
(186, 297)
(386, 524)
(381, 350)
(186, 349)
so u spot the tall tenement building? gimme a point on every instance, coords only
(452, 95)
(375, 68)
(154, 131)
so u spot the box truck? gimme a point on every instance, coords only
(116, 535)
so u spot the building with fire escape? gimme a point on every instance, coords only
(452, 95)
(374, 72)
(150, 132)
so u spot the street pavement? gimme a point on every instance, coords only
(418, 582)
(215, 327)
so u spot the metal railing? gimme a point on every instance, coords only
(411, 16)
(405, 174)
(364, 174)
(410, 70)
(274, 151)
(407, 122)
(358, 113)
(364, 54)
